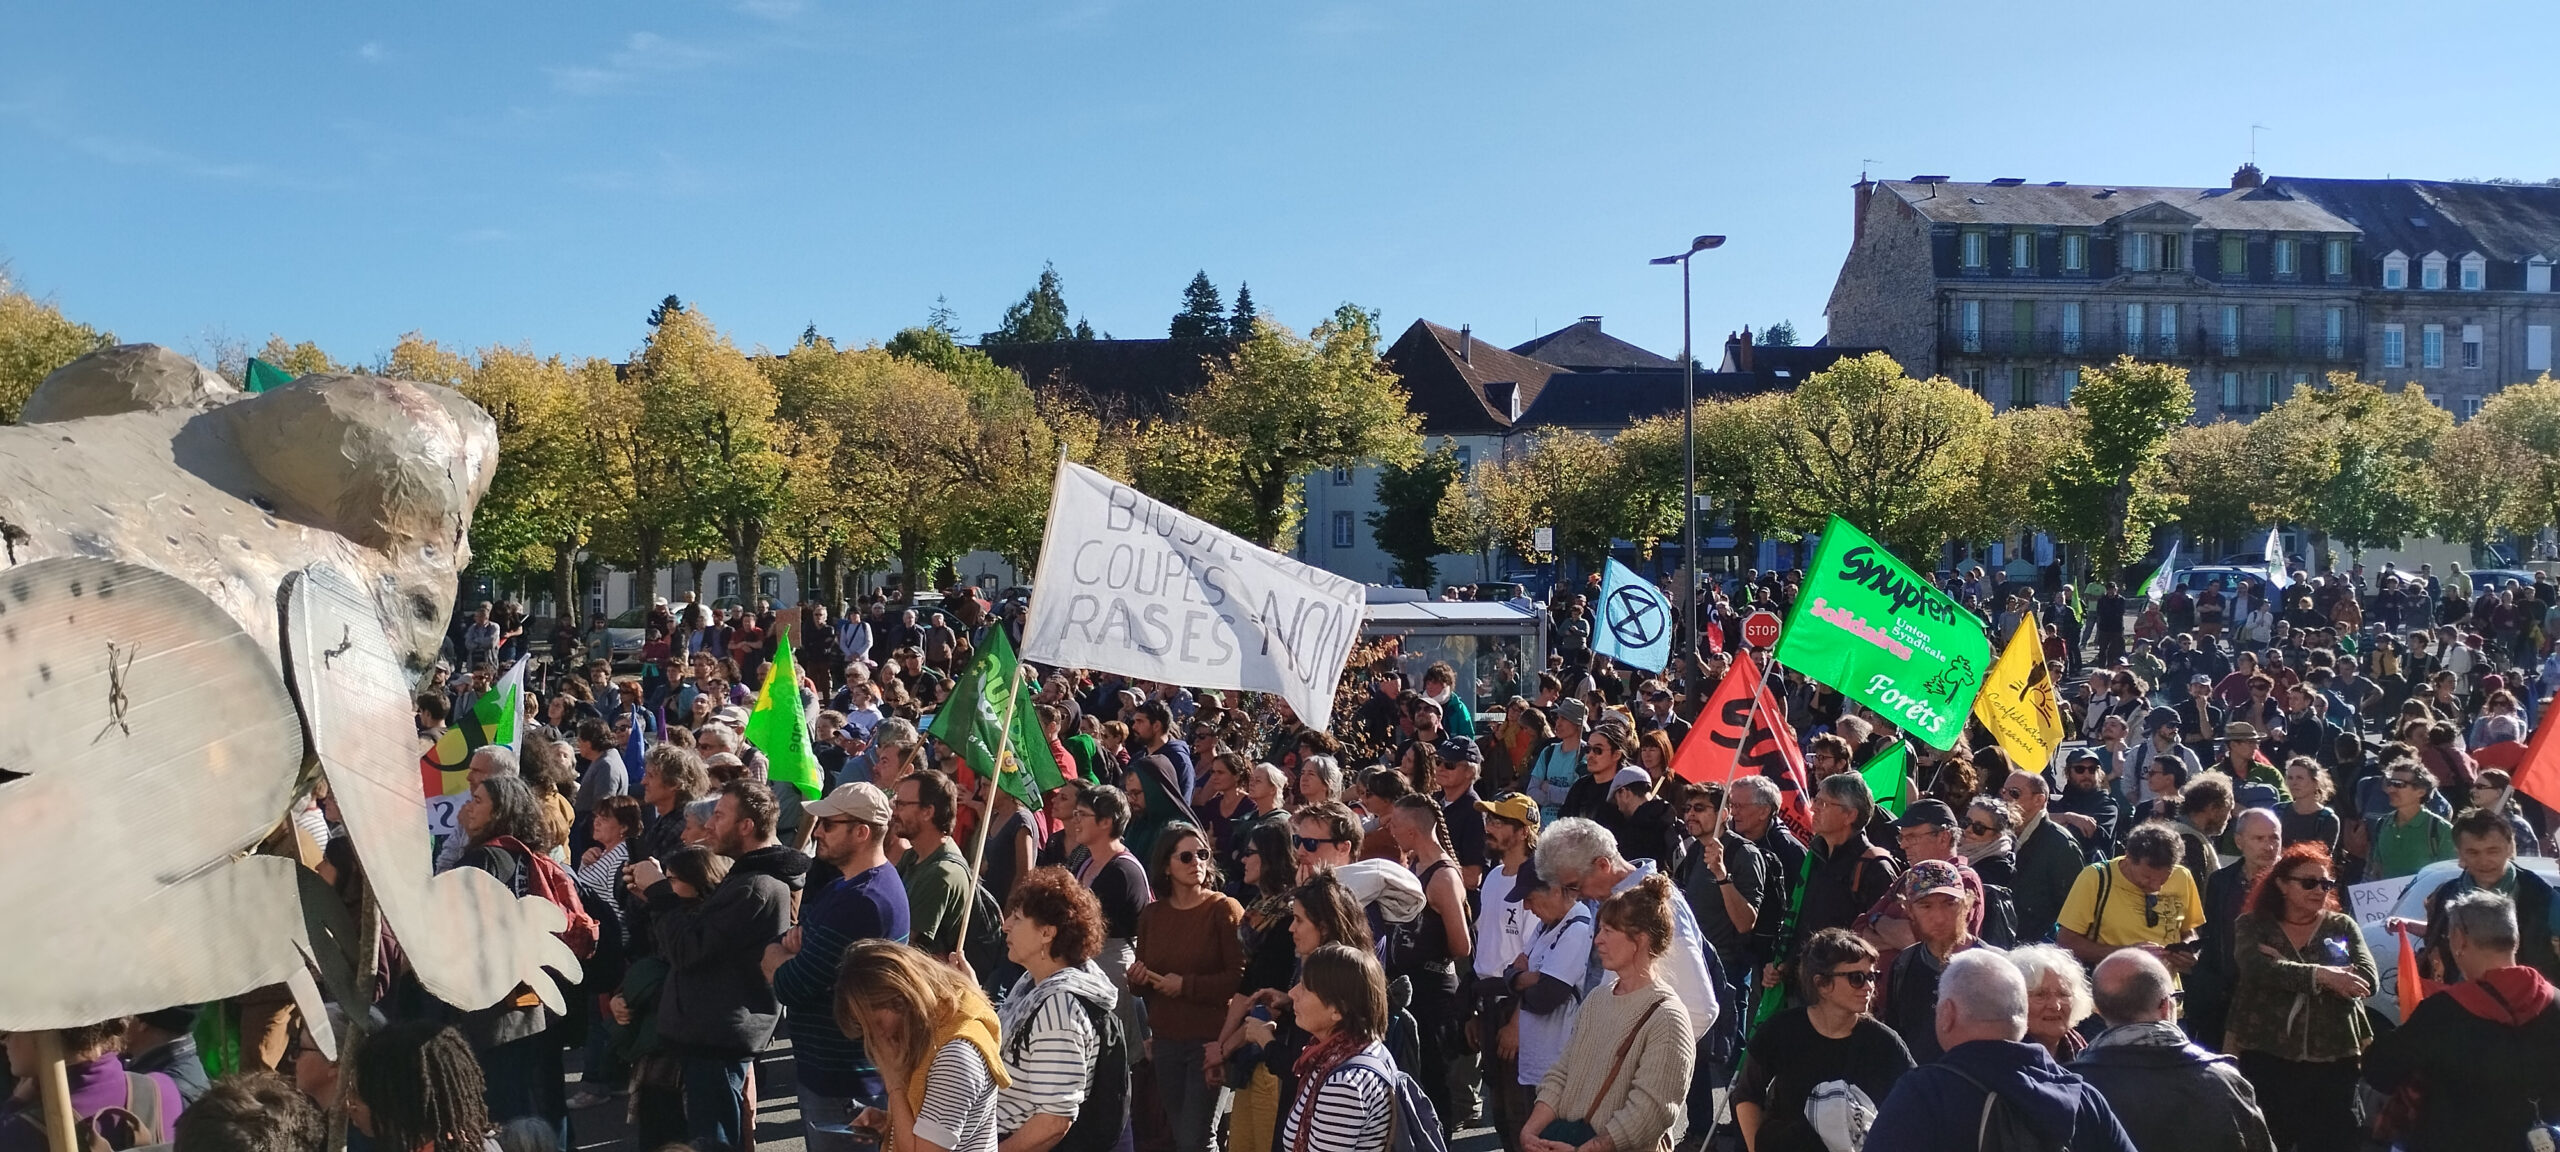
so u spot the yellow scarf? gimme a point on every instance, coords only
(975, 1023)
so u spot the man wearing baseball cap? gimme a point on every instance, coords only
(1503, 926)
(1939, 905)
(2200, 717)
(854, 894)
(1928, 832)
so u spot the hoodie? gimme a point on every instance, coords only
(717, 1001)
(2478, 1052)
(1933, 1109)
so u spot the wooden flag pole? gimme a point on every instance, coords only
(994, 782)
(53, 1083)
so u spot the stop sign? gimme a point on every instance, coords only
(1760, 629)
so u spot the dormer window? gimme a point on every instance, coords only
(2151, 251)
(2395, 271)
(2475, 272)
(2537, 274)
(1974, 252)
(2431, 272)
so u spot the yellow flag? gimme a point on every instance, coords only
(2017, 700)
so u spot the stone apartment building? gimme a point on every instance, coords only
(2011, 288)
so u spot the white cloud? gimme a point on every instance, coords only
(642, 53)
(370, 52)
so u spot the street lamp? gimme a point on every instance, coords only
(1688, 451)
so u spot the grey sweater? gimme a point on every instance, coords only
(1644, 1101)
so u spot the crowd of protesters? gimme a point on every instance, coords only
(1482, 898)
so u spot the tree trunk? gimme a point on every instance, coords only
(746, 548)
(831, 576)
(564, 580)
(697, 564)
(644, 563)
(910, 560)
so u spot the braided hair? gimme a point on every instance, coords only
(1415, 802)
(422, 1086)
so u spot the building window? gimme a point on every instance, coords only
(2173, 252)
(2069, 381)
(769, 584)
(2075, 252)
(2230, 329)
(1971, 378)
(2333, 333)
(2272, 382)
(1975, 246)
(2231, 390)
(2133, 329)
(2395, 353)
(2471, 342)
(2537, 275)
(2166, 319)
(1342, 477)
(2071, 326)
(2284, 330)
(2537, 348)
(2333, 259)
(2138, 251)
(728, 585)
(2431, 272)
(2431, 346)
(2235, 257)
(1969, 322)
(2471, 406)
(2475, 272)
(2022, 326)
(1341, 529)
(2280, 254)
(2395, 271)
(2022, 386)
(2300, 380)
(1466, 457)
(2022, 254)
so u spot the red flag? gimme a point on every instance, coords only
(2538, 775)
(2413, 987)
(1713, 634)
(1741, 730)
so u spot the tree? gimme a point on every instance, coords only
(552, 476)
(1409, 499)
(35, 339)
(1779, 335)
(2108, 487)
(2349, 460)
(301, 359)
(2217, 478)
(716, 412)
(1864, 441)
(2529, 415)
(1280, 406)
(2482, 484)
(942, 319)
(1240, 322)
(1568, 481)
(667, 307)
(2016, 455)
(1039, 317)
(1202, 312)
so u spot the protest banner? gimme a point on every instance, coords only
(2372, 901)
(1873, 629)
(494, 717)
(1635, 621)
(1130, 584)
(2017, 702)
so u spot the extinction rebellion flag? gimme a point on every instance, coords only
(1873, 629)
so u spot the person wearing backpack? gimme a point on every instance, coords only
(506, 837)
(2171, 1094)
(1993, 1091)
(1065, 1056)
(1624, 1073)
(114, 1109)
(1350, 1097)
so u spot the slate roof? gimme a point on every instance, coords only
(1134, 378)
(2505, 222)
(1613, 400)
(1582, 347)
(1469, 394)
(2262, 209)
(1782, 367)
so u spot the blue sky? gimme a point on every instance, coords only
(541, 173)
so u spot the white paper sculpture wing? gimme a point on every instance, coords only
(146, 744)
(470, 939)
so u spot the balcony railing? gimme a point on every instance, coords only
(2185, 345)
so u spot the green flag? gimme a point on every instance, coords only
(987, 697)
(780, 730)
(261, 376)
(1885, 776)
(1873, 629)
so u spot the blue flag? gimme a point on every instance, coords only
(1633, 624)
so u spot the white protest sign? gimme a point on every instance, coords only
(2371, 903)
(1133, 585)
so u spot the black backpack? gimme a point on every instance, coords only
(2002, 1128)
(1105, 1110)
(1999, 916)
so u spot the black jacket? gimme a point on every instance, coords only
(1844, 882)
(2181, 1099)
(717, 1000)
(2049, 860)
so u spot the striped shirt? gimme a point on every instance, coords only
(958, 1111)
(603, 877)
(1049, 1050)
(1349, 1112)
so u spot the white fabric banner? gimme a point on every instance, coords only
(1133, 585)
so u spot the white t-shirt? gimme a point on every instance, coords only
(958, 1111)
(1502, 923)
(1561, 950)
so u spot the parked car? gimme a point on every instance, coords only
(2498, 577)
(2412, 905)
(2203, 576)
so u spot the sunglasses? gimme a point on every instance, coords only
(2396, 782)
(2312, 883)
(1982, 829)
(1313, 844)
(1192, 857)
(2150, 909)
(2083, 769)
(1857, 979)
(1701, 809)
(2013, 793)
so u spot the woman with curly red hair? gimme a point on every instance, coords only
(2297, 1018)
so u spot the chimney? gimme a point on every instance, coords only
(1593, 321)
(2247, 176)
(1858, 209)
(1466, 343)
(1745, 364)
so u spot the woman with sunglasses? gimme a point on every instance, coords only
(1265, 1030)
(1189, 960)
(2297, 1018)
(1832, 1038)
(1270, 957)
(2163, 786)
(1988, 841)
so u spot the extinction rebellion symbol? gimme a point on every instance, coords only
(1636, 619)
